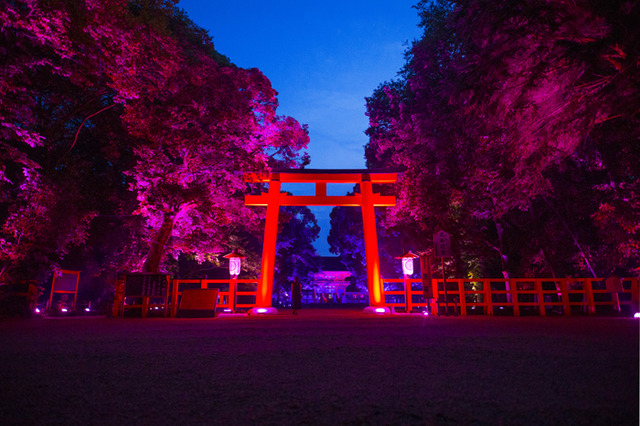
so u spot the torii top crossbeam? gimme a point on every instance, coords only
(366, 199)
(321, 177)
(325, 175)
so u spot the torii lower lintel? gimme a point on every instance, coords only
(367, 200)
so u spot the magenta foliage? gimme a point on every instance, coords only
(512, 107)
(115, 108)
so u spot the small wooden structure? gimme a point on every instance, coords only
(146, 291)
(65, 284)
(19, 298)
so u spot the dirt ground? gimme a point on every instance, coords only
(321, 367)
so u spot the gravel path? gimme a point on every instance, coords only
(321, 367)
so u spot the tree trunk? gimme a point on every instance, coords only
(156, 250)
(574, 237)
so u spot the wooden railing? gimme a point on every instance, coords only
(224, 295)
(488, 296)
(519, 296)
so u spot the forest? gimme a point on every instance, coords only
(517, 125)
(123, 138)
(124, 135)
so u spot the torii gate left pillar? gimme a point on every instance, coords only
(265, 285)
(366, 199)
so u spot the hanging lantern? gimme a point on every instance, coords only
(235, 263)
(407, 262)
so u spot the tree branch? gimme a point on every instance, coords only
(75, 139)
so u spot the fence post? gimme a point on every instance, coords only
(145, 306)
(635, 295)
(463, 297)
(407, 293)
(174, 298)
(486, 286)
(591, 304)
(434, 300)
(564, 290)
(541, 307)
(513, 290)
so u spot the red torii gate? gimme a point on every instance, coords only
(366, 199)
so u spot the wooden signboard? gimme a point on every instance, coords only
(442, 244)
(198, 303)
(67, 283)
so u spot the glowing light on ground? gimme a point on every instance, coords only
(636, 315)
(377, 310)
(263, 311)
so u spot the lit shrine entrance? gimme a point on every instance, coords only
(366, 199)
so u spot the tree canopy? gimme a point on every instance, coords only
(120, 124)
(517, 124)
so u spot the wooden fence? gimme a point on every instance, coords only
(226, 290)
(487, 296)
(522, 296)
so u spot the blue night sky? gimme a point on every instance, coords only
(323, 58)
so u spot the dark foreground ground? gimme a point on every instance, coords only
(321, 367)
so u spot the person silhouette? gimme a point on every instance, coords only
(296, 296)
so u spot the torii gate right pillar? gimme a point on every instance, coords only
(371, 244)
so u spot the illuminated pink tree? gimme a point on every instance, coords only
(63, 70)
(505, 108)
(115, 95)
(212, 124)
